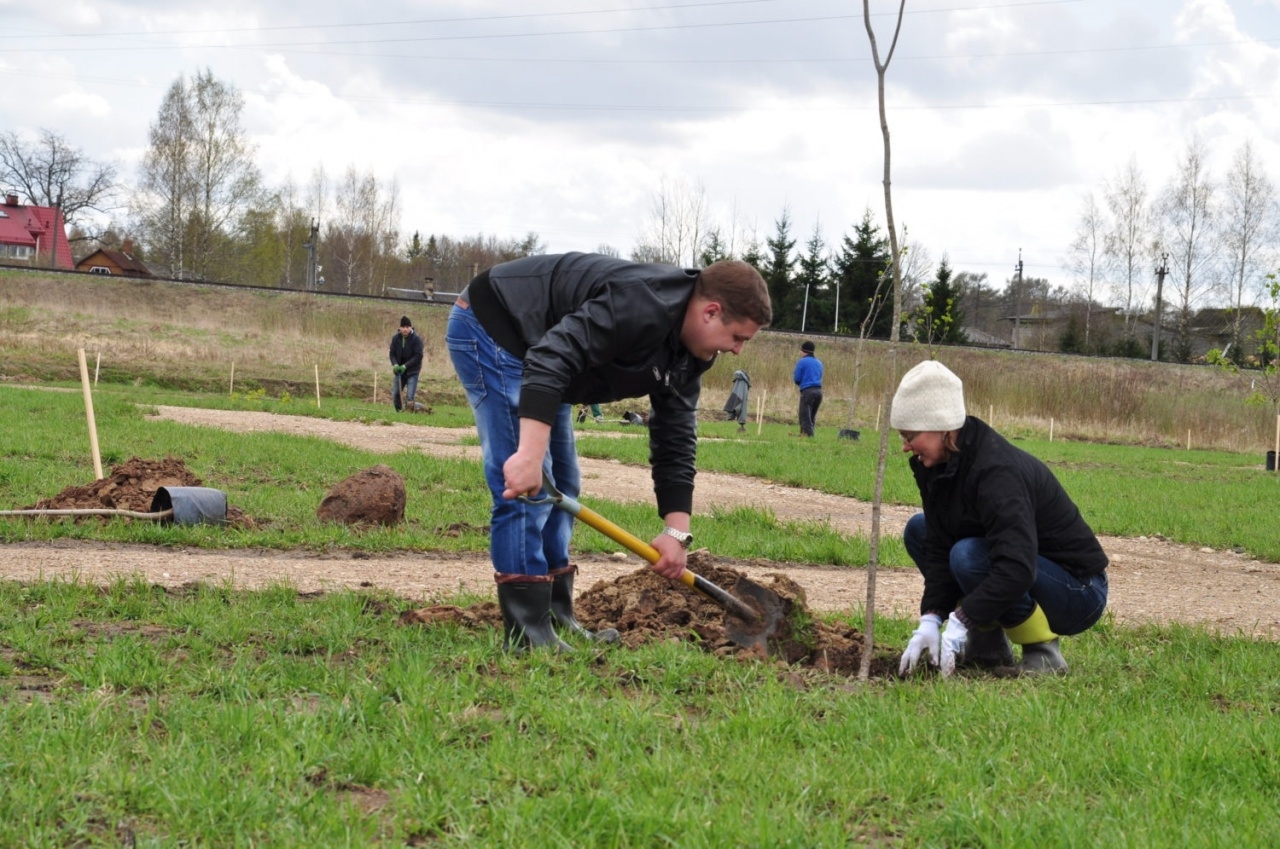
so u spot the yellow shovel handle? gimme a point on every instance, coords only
(690, 579)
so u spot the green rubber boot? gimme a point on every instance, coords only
(525, 601)
(562, 607)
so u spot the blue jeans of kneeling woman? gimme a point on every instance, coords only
(524, 539)
(1071, 605)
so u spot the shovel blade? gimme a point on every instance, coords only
(771, 612)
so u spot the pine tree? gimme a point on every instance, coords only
(939, 320)
(813, 284)
(862, 268)
(777, 273)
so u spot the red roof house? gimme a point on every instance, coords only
(29, 234)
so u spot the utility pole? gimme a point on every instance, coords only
(310, 245)
(836, 324)
(1155, 332)
(57, 215)
(1017, 302)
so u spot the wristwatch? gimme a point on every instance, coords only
(683, 537)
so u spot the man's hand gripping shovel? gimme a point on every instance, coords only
(748, 625)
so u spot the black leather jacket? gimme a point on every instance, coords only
(593, 329)
(407, 351)
(995, 490)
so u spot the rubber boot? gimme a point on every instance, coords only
(988, 649)
(1040, 650)
(562, 607)
(525, 601)
(1040, 658)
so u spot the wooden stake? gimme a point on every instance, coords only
(991, 413)
(96, 368)
(878, 408)
(760, 412)
(88, 411)
(1051, 428)
(1188, 439)
(232, 389)
(375, 386)
(317, 386)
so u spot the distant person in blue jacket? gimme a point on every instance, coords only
(808, 377)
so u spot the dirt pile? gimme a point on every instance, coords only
(646, 608)
(131, 486)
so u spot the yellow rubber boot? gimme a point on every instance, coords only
(1040, 650)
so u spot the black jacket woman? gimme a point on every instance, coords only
(1005, 554)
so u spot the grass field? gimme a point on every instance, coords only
(132, 715)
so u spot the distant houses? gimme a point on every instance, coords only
(121, 263)
(32, 235)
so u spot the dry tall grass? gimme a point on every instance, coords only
(189, 336)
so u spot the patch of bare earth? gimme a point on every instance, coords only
(1152, 580)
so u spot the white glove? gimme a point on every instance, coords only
(955, 640)
(924, 640)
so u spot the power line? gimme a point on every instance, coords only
(534, 15)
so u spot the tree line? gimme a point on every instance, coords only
(200, 209)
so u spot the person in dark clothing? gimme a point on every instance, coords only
(808, 377)
(532, 337)
(406, 363)
(1005, 554)
(736, 406)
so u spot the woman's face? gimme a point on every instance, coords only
(925, 444)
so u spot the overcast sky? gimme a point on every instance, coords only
(565, 117)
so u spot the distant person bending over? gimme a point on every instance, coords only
(532, 337)
(808, 377)
(1004, 552)
(736, 406)
(406, 363)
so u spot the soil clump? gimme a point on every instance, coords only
(647, 608)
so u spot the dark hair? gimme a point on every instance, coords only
(807, 347)
(405, 322)
(738, 288)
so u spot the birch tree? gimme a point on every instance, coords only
(1127, 244)
(678, 227)
(1088, 257)
(1187, 210)
(198, 178)
(1248, 232)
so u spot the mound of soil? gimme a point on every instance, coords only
(131, 486)
(646, 608)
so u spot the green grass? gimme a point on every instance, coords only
(215, 717)
(1204, 498)
(211, 716)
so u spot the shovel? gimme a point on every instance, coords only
(182, 505)
(755, 627)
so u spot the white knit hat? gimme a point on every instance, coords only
(929, 398)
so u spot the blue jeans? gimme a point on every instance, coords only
(409, 382)
(1071, 604)
(524, 539)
